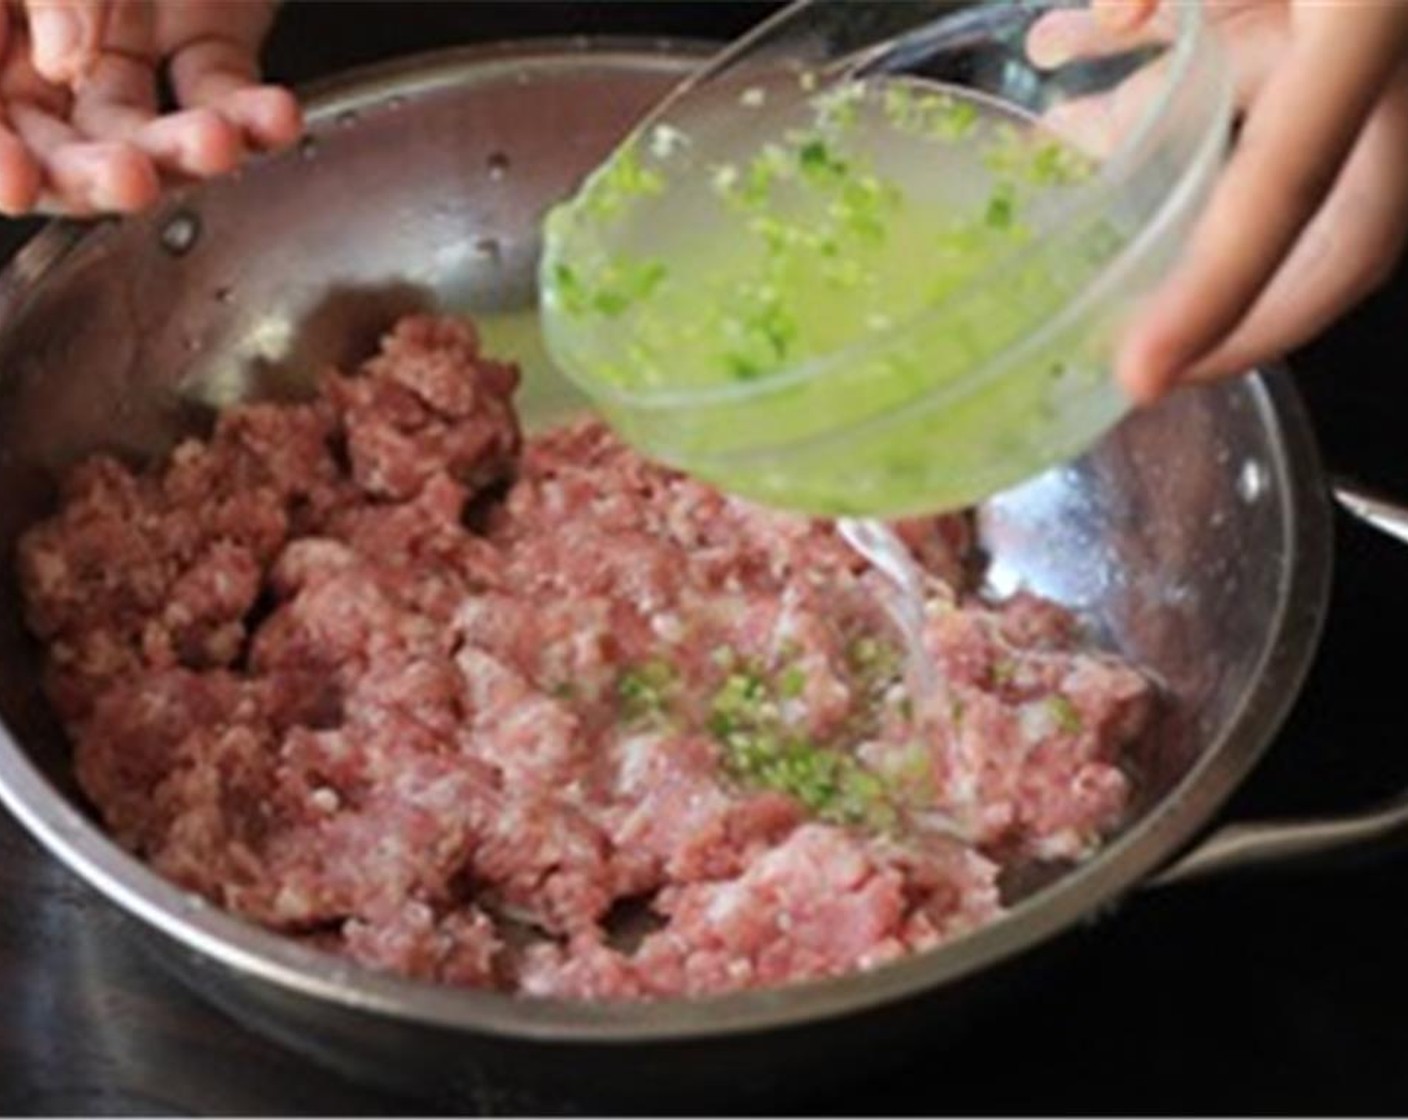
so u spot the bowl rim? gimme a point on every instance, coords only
(210, 936)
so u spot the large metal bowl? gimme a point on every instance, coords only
(1195, 538)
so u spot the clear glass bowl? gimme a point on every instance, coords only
(991, 384)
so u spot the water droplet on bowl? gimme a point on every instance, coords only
(498, 164)
(347, 118)
(224, 295)
(1252, 481)
(308, 147)
(180, 233)
(396, 102)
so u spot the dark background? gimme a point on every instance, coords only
(1283, 993)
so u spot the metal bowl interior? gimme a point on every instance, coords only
(1195, 538)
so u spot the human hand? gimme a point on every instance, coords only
(80, 127)
(1311, 212)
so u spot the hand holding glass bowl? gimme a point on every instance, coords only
(1312, 213)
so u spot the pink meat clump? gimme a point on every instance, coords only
(1032, 755)
(412, 413)
(378, 673)
(822, 902)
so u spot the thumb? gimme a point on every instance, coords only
(67, 36)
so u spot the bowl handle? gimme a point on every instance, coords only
(1268, 843)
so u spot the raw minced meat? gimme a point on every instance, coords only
(378, 673)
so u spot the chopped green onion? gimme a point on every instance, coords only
(1066, 714)
(613, 290)
(1001, 211)
(1004, 672)
(644, 691)
(1054, 164)
(818, 162)
(762, 752)
(623, 179)
(838, 108)
(792, 683)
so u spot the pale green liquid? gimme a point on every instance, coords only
(545, 398)
(816, 320)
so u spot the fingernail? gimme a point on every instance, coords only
(1137, 392)
(1135, 375)
(1148, 386)
(58, 39)
(1116, 15)
(1048, 47)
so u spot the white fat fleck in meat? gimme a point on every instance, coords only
(591, 659)
(575, 793)
(728, 901)
(488, 680)
(1036, 722)
(325, 799)
(472, 613)
(291, 903)
(668, 627)
(963, 789)
(636, 753)
(1067, 844)
(789, 625)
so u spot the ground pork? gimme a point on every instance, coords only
(541, 716)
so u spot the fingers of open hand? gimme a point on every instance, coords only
(223, 75)
(67, 36)
(196, 142)
(1347, 251)
(79, 130)
(1276, 181)
(82, 176)
(118, 103)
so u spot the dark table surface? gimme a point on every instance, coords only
(1284, 993)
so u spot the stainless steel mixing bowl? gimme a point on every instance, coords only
(1196, 539)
